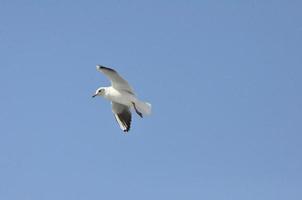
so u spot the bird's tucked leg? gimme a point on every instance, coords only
(139, 113)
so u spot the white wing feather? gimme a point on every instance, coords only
(116, 80)
(122, 115)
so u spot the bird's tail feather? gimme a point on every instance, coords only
(143, 107)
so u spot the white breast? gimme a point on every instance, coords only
(121, 97)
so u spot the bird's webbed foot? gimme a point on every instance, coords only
(139, 113)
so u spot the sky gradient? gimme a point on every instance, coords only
(224, 79)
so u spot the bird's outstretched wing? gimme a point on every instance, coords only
(122, 115)
(116, 80)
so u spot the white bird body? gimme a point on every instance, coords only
(122, 98)
(119, 96)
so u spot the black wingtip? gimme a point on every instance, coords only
(106, 68)
(127, 129)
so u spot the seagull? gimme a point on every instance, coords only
(122, 98)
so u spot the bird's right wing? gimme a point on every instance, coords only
(122, 115)
(116, 80)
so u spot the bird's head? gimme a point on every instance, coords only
(99, 92)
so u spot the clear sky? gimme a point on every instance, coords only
(224, 79)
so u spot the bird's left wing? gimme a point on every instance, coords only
(122, 115)
(116, 80)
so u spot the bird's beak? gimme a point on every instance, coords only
(94, 95)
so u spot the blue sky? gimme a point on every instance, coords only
(224, 79)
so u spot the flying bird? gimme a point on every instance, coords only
(122, 97)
